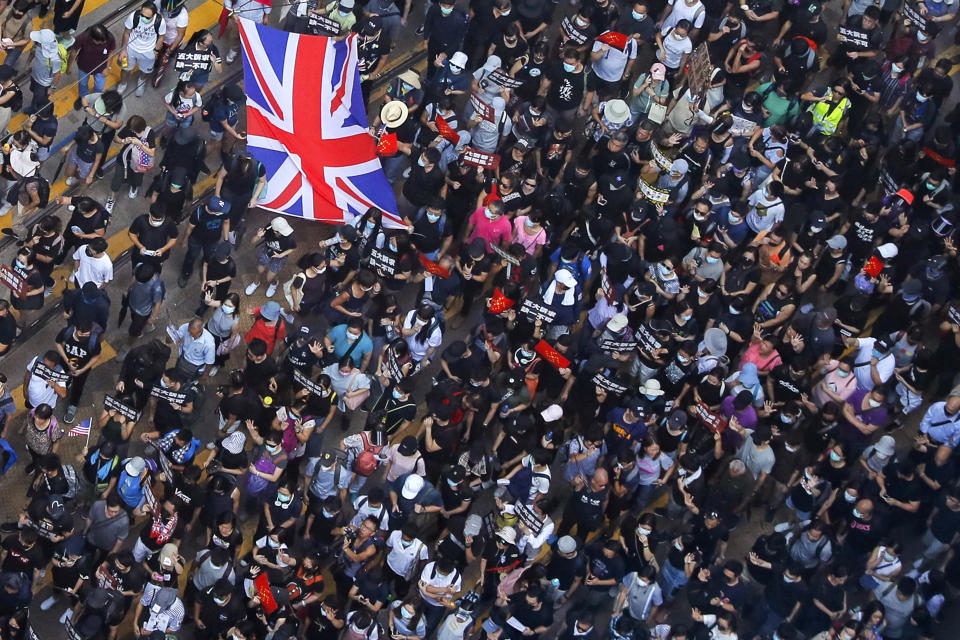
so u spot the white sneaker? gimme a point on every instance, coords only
(214, 370)
(109, 205)
(133, 192)
(253, 286)
(231, 56)
(48, 603)
(71, 181)
(121, 88)
(67, 615)
(141, 87)
(407, 172)
(272, 289)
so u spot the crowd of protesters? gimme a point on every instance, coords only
(662, 342)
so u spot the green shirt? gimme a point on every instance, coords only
(780, 109)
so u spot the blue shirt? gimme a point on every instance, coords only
(737, 232)
(941, 428)
(223, 110)
(338, 336)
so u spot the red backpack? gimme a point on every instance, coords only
(367, 462)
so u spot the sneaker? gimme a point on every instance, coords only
(211, 446)
(121, 87)
(231, 56)
(71, 414)
(109, 205)
(421, 29)
(407, 172)
(182, 281)
(47, 292)
(67, 615)
(71, 181)
(141, 88)
(253, 286)
(783, 526)
(133, 192)
(48, 603)
(213, 370)
(271, 289)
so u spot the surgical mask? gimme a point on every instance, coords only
(888, 556)
(433, 217)
(163, 383)
(489, 214)
(220, 601)
(396, 393)
(856, 514)
(678, 546)
(144, 20)
(282, 497)
(351, 337)
(788, 579)
(848, 497)
(637, 15)
(405, 543)
(665, 272)
(732, 310)
(227, 308)
(896, 68)
(842, 373)
(650, 397)
(370, 225)
(272, 448)
(156, 223)
(683, 359)
(454, 69)
(569, 68)
(406, 614)
(786, 419)
(836, 457)
(874, 403)
(644, 532)
(702, 294)
(421, 161)
(712, 259)
(678, 36)
(327, 514)
(451, 482)
(21, 265)
(273, 543)
(505, 13)
(344, 13)
(921, 97)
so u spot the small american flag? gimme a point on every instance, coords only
(82, 429)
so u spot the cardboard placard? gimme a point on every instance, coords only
(126, 411)
(395, 372)
(192, 61)
(610, 385)
(13, 281)
(171, 396)
(646, 340)
(711, 420)
(619, 346)
(481, 158)
(323, 25)
(913, 14)
(742, 127)
(481, 108)
(571, 31)
(534, 310)
(150, 497)
(44, 372)
(855, 37)
(307, 383)
(164, 462)
(652, 193)
(526, 515)
(501, 79)
(506, 256)
(382, 262)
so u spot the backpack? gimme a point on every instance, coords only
(522, 481)
(215, 102)
(43, 190)
(70, 474)
(367, 462)
(16, 102)
(442, 221)
(64, 62)
(136, 21)
(144, 161)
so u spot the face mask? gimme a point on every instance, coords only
(732, 310)
(156, 223)
(649, 397)
(678, 546)
(637, 15)
(848, 497)
(396, 393)
(785, 419)
(788, 579)
(525, 353)
(21, 265)
(144, 20)
(421, 161)
(678, 36)
(895, 68)
(454, 69)
(856, 514)
(451, 483)
(505, 13)
(351, 337)
(580, 22)
(873, 403)
(327, 514)
(685, 319)
(644, 532)
(273, 544)
(227, 309)
(369, 225)
(683, 359)
(163, 383)
(489, 214)
(921, 97)
(406, 614)
(888, 556)
(446, 11)
(569, 67)
(282, 497)
(272, 448)
(842, 373)
(789, 448)
(665, 271)
(702, 294)
(712, 260)
(433, 217)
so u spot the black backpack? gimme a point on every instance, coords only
(43, 190)
(16, 102)
(215, 102)
(156, 21)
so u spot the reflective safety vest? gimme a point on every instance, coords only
(827, 116)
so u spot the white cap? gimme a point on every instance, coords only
(459, 59)
(281, 226)
(564, 277)
(507, 534)
(552, 413)
(888, 250)
(135, 466)
(617, 323)
(412, 486)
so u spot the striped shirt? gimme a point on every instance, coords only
(892, 88)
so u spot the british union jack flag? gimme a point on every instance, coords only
(307, 125)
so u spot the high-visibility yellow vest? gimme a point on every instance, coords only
(827, 116)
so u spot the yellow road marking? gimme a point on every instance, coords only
(107, 353)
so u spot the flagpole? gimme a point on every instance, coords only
(90, 430)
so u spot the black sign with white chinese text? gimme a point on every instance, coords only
(534, 310)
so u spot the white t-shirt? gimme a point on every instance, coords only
(673, 48)
(143, 36)
(613, 63)
(403, 464)
(885, 367)
(764, 214)
(418, 350)
(402, 559)
(90, 269)
(39, 391)
(434, 578)
(174, 23)
(682, 11)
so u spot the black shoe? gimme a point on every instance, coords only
(100, 173)
(771, 511)
(420, 30)
(182, 281)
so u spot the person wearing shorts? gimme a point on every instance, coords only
(141, 44)
(85, 153)
(278, 243)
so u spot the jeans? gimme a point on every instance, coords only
(99, 82)
(671, 579)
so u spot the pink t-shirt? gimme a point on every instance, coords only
(764, 363)
(842, 386)
(492, 231)
(529, 242)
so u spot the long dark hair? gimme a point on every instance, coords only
(425, 312)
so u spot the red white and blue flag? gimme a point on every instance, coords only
(307, 125)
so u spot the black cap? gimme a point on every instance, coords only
(347, 232)
(220, 251)
(408, 446)
(371, 26)
(233, 93)
(456, 474)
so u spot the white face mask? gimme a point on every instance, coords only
(874, 403)
(644, 532)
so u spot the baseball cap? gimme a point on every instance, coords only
(135, 466)
(658, 71)
(566, 544)
(911, 290)
(677, 420)
(407, 446)
(837, 242)
(218, 205)
(456, 474)
(412, 486)
(327, 459)
(220, 251)
(371, 26)
(617, 323)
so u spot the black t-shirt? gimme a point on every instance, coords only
(707, 539)
(220, 617)
(79, 350)
(153, 237)
(566, 88)
(217, 270)
(88, 152)
(208, 226)
(566, 570)
(277, 243)
(21, 559)
(422, 185)
(87, 224)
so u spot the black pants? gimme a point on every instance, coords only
(76, 388)
(41, 95)
(195, 247)
(137, 323)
